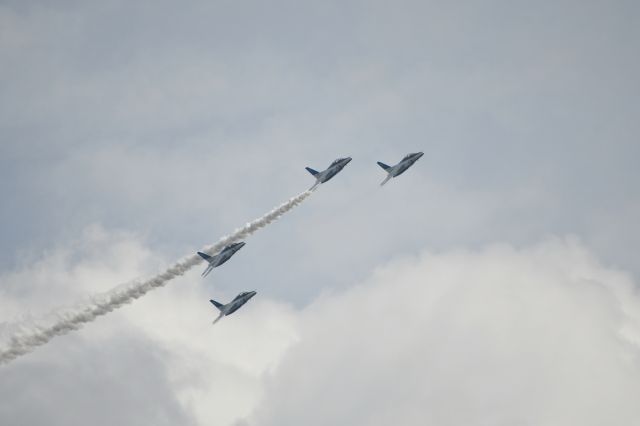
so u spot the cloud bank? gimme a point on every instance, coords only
(540, 335)
(537, 336)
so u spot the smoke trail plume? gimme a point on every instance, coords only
(37, 335)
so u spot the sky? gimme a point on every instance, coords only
(494, 283)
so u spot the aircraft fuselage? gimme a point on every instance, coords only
(239, 300)
(403, 165)
(232, 306)
(331, 171)
(220, 258)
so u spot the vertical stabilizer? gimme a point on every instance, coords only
(217, 304)
(384, 166)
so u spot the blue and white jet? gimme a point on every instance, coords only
(218, 259)
(331, 171)
(401, 167)
(232, 306)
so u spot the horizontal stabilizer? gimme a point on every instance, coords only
(217, 304)
(310, 170)
(205, 256)
(384, 166)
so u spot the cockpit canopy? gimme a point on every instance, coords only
(413, 154)
(339, 160)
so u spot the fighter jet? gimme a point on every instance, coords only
(331, 171)
(232, 306)
(218, 259)
(401, 167)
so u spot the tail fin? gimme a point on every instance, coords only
(217, 304)
(385, 180)
(384, 166)
(205, 256)
(310, 170)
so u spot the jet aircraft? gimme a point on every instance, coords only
(401, 167)
(331, 171)
(218, 259)
(232, 306)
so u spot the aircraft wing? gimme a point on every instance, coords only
(206, 271)
(218, 319)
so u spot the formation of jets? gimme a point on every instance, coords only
(321, 177)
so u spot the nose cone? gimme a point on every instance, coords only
(240, 245)
(347, 160)
(420, 154)
(251, 294)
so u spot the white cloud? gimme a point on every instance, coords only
(160, 352)
(543, 335)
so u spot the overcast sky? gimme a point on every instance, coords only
(494, 283)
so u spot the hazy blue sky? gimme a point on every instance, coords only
(133, 133)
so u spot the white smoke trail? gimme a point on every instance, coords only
(27, 340)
